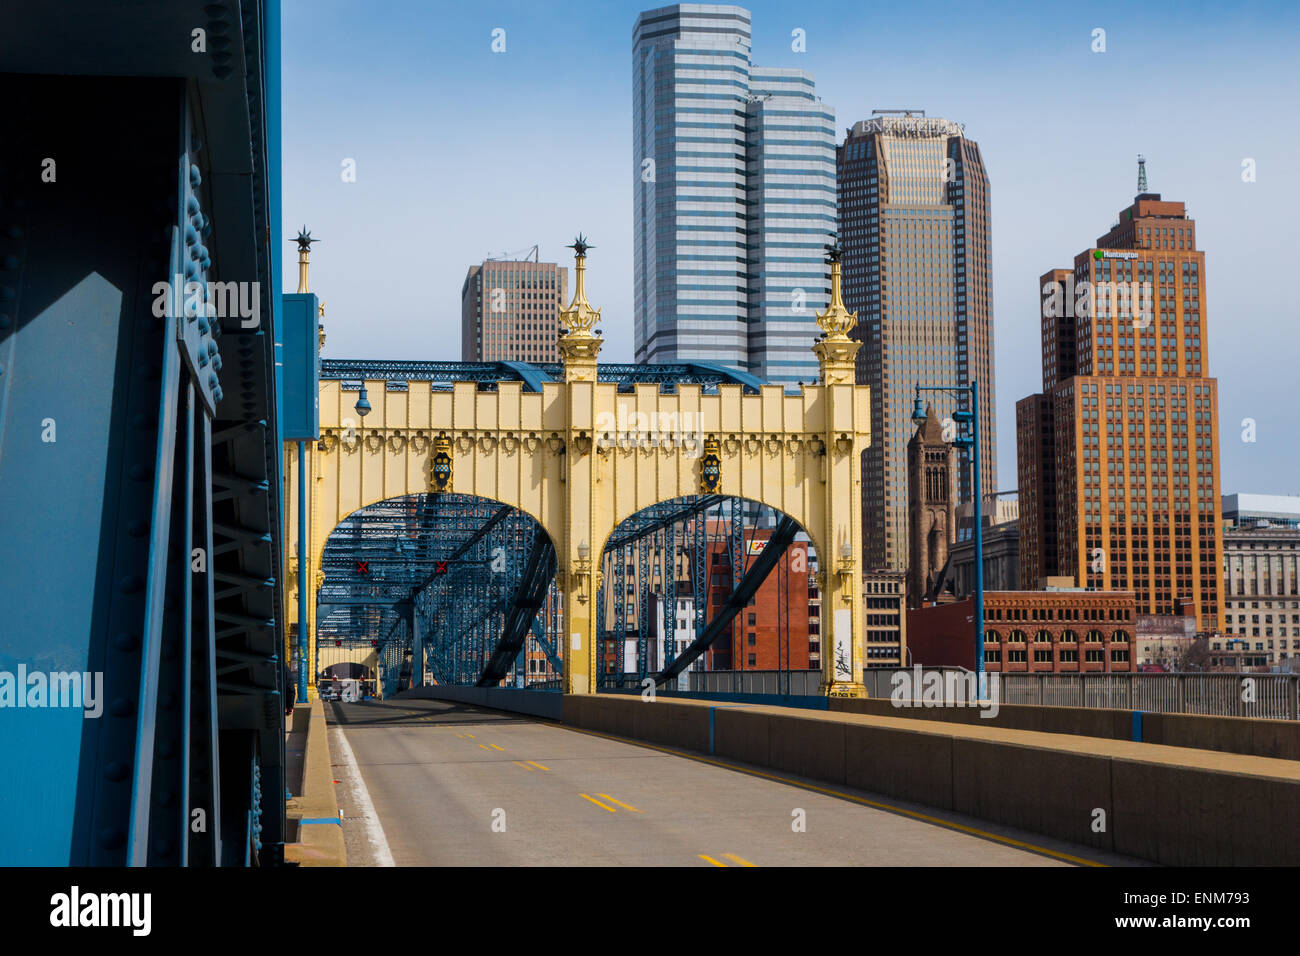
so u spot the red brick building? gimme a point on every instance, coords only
(774, 632)
(1030, 632)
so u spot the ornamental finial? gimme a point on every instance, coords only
(304, 241)
(836, 321)
(579, 317)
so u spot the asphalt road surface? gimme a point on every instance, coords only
(435, 783)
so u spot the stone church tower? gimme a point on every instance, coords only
(931, 516)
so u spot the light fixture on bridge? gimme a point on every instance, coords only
(918, 410)
(363, 403)
(845, 571)
(582, 569)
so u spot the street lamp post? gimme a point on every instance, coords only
(972, 445)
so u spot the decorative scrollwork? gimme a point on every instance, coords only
(753, 445)
(465, 443)
(440, 469)
(532, 442)
(710, 467)
(420, 443)
(509, 443)
(732, 444)
(396, 443)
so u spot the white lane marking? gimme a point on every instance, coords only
(374, 830)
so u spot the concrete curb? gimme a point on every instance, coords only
(314, 816)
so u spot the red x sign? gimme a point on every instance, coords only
(363, 567)
(440, 567)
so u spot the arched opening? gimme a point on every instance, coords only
(438, 588)
(692, 595)
(346, 680)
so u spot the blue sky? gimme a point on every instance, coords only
(463, 153)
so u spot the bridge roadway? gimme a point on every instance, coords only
(439, 775)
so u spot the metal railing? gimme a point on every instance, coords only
(1274, 696)
(1216, 695)
(794, 683)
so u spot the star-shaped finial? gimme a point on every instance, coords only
(833, 252)
(305, 240)
(580, 245)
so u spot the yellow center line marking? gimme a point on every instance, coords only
(469, 735)
(736, 859)
(524, 765)
(483, 746)
(598, 803)
(618, 802)
(709, 859)
(537, 765)
(874, 804)
(495, 747)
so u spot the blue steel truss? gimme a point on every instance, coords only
(146, 523)
(352, 372)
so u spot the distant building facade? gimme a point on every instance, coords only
(885, 596)
(1272, 511)
(509, 311)
(1064, 631)
(1124, 437)
(1001, 560)
(1261, 576)
(915, 226)
(773, 631)
(733, 198)
(931, 516)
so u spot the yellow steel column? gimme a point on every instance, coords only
(842, 654)
(578, 558)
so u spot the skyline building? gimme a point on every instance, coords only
(509, 311)
(734, 198)
(914, 223)
(1125, 433)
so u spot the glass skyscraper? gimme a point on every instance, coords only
(734, 198)
(914, 215)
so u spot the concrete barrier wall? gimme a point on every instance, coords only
(315, 812)
(1238, 735)
(1169, 805)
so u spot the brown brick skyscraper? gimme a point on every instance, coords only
(1120, 453)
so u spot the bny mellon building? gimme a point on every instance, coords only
(734, 198)
(914, 223)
